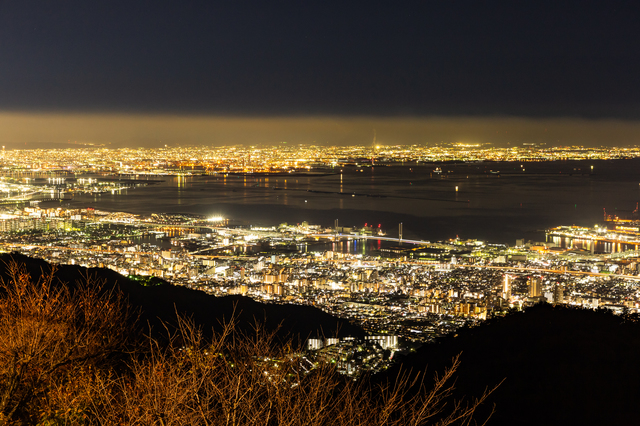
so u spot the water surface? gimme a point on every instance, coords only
(487, 205)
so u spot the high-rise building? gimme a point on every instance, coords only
(506, 287)
(535, 287)
(558, 294)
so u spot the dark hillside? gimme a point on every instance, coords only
(562, 366)
(161, 302)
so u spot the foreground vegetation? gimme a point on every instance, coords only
(70, 355)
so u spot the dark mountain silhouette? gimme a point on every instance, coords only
(560, 365)
(159, 304)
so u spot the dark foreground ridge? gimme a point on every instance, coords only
(159, 304)
(562, 366)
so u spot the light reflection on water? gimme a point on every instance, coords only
(590, 245)
(486, 206)
(348, 246)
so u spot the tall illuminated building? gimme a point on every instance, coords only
(558, 296)
(535, 287)
(506, 287)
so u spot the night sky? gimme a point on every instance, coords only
(538, 60)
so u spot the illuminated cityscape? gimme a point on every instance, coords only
(406, 289)
(414, 291)
(283, 158)
(319, 213)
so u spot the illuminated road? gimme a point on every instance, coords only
(13, 246)
(504, 268)
(78, 249)
(551, 271)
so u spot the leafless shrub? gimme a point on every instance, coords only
(55, 348)
(48, 335)
(247, 380)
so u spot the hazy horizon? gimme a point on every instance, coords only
(154, 130)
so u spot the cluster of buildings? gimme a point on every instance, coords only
(417, 292)
(353, 355)
(281, 158)
(19, 187)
